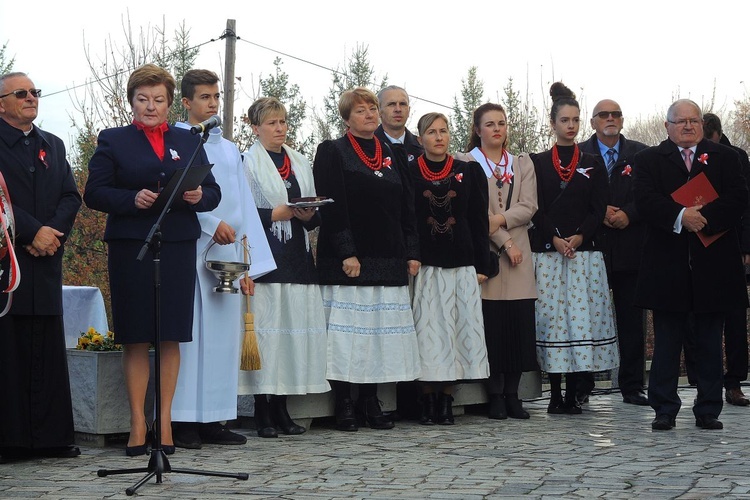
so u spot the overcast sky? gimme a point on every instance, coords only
(643, 54)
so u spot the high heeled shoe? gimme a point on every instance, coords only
(142, 449)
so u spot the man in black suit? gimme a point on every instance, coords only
(394, 107)
(679, 275)
(37, 414)
(621, 237)
(735, 325)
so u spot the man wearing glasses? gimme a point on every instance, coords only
(621, 236)
(37, 416)
(692, 265)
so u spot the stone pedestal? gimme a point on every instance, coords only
(97, 389)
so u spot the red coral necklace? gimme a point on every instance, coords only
(376, 162)
(286, 168)
(429, 175)
(565, 173)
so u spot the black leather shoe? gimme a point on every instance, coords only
(635, 398)
(371, 413)
(216, 433)
(663, 422)
(572, 404)
(136, 451)
(280, 416)
(708, 422)
(428, 403)
(556, 406)
(168, 449)
(497, 408)
(445, 409)
(736, 397)
(515, 407)
(346, 419)
(185, 435)
(263, 421)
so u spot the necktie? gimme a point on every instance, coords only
(687, 154)
(610, 160)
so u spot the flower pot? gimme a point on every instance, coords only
(97, 389)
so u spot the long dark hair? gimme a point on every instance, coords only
(474, 140)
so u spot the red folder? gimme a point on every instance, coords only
(698, 191)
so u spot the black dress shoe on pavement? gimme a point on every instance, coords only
(663, 422)
(497, 408)
(736, 397)
(346, 419)
(136, 451)
(216, 433)
(635, 398)
(556, 407)
(708, 422)
(185, 435)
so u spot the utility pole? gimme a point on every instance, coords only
(228, 115)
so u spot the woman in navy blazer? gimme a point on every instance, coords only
(130, 166)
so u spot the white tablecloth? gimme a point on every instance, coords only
(83, 306)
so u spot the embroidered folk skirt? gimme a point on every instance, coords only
(575, 330)
(447, 308)
(291, 331)
(371, 337)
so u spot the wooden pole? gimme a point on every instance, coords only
(228, 115)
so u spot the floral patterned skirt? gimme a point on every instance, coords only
(575, 329)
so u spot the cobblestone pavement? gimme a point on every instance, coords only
(607, 452)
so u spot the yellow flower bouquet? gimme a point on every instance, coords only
(92, 340)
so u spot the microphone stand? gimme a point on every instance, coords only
(158, 464)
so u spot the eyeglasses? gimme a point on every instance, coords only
(604, 114)
(685, 122)
(21, 94)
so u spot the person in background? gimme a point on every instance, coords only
(574, 324)
(451, 211)
(680, 277)
(735, 324)
(367, 247)
(289, 317)
(507, 298)
(126, 173)
(206, 392)
(621, 238)
(37, 415)
(393, 103)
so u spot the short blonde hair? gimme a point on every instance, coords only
(350, 98)
(424, 123)
(151, 75)
(262, 108)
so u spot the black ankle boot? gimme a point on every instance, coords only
(497, 407)
(428, 402)
(445, 409)
(572, 405)
(263, 422)
(515, 407)
(556, 405)
(346, 419)
(371, 414)
(281, 418)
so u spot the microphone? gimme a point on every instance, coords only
(214, 121)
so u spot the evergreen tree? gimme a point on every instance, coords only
(527, 131)
(6, 66)
(472, 96)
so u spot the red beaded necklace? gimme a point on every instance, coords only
(565, 173)
(429, 175)
(374, 163)
(286, 168)
(502, 163)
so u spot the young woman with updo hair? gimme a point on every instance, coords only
(574, 325)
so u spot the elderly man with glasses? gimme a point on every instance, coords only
(691, 194)
(37, 416)
(621, 238)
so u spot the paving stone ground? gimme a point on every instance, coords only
(607, 452)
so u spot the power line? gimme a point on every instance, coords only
(336, 71)
(104, 78)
